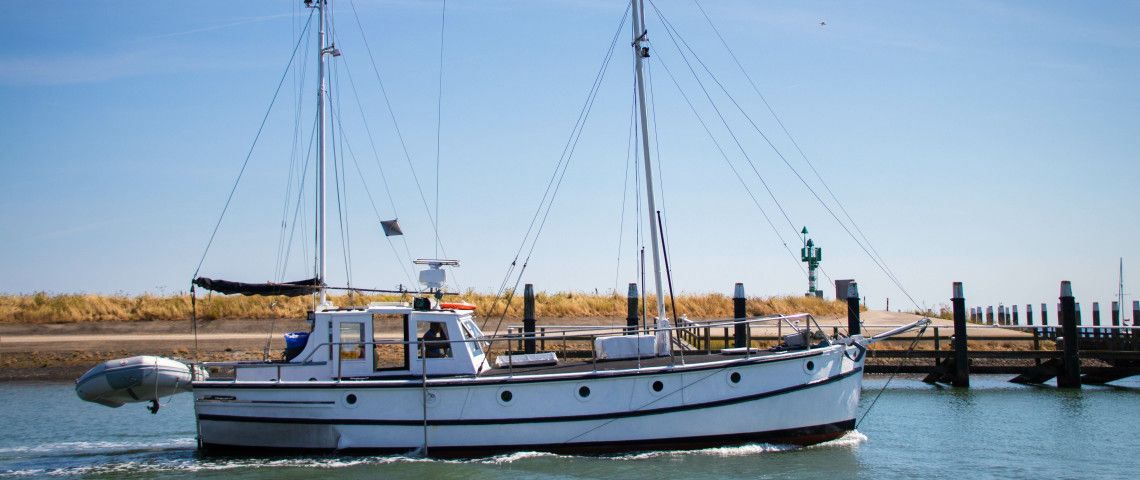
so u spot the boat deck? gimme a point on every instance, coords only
(579, 366)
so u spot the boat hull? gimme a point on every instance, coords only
(773, 399)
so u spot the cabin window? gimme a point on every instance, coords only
(434, 337)
(468, 331)
(351, 341)
(389, 341)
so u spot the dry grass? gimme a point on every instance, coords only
(77, 308)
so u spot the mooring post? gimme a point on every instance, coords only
(1115, 319)
(1096, 319)
(631, 308)
(1029, 314)
(739, 313)
(1080, 330)
(990, 315)
(973, 315)
(1070, 375)
(853, 327)
(1134, 334)
(961, 357)
(1045, 318)
(1015, 314)
(528, 318)
(1136, 322)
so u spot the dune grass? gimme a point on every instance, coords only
(77, 308)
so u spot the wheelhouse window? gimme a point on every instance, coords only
(389, 342)
(472, 333)
(351, 341)
(434, 341)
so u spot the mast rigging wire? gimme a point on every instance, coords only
(253, 145)
(383, 177)
(873, 256)
(396, 126)
(629, 163)
(732, 167)
(439, 119)
(788, 134)
(555, 182)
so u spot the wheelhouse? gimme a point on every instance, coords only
(380, 341)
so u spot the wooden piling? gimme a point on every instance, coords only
(631, 308)
(1015, 314)
(1070, 374)
(1096, 319)
(990, 315)
(1077, 307)
(528, 318)
(961, 356)
(739, 312)
(1115, 319)
(853, 309)
(1135, 323)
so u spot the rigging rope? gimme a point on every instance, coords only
(338, 173)
(396, 127)
(898, 367)
(294, 147)
(555, 182)
(629, 163)
(724, 121)
(787, 133)
(868, 249)
(249, 154)
(439, 118)
(383, 177)
(300, 201)
(732, 167)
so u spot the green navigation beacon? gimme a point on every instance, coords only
(812, 255)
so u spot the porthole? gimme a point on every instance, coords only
(734, 377)
(658, 386)
(350, 399)
(505, 396)
(810, 365)
(583, 391)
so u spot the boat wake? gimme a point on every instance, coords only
(95, 448)
(148, 458)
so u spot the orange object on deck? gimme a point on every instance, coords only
(457, 306)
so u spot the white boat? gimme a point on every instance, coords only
(418, 377)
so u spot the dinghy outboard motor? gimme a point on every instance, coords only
(144, 378)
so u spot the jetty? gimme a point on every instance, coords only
(975, 341)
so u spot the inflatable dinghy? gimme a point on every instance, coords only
(143, 378)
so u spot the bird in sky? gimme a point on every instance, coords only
(822, 23)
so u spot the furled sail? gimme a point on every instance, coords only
(289, 289)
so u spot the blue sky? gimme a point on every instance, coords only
(993, 143)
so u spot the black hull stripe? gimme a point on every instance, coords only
(466, 381)
(794, 436)
(502, 421)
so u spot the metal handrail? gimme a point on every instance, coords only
(489, 340)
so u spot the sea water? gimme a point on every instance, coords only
(994, 430)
